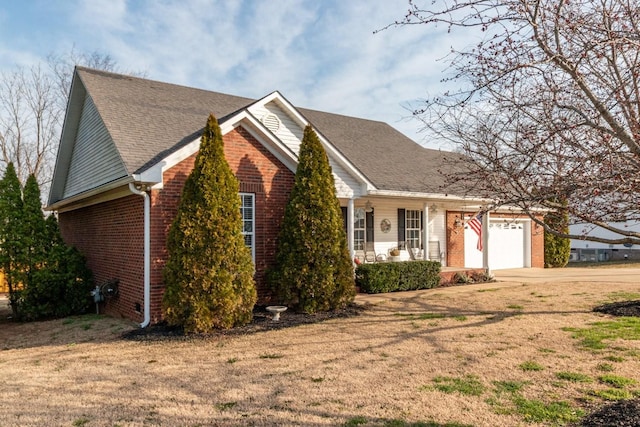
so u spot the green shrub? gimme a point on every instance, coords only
(209, 270)
(46, 278)
(58, 289)
(482, 277)
(12, 245)
(397, 276)
(557, 249)
(313, 270)
(462, 278)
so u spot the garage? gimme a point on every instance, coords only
(507, 245)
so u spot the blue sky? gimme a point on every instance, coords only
(319, 54)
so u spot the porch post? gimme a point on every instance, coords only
(485, 242)
(350, 218)
(425, 232)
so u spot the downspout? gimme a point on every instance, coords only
(147, 254)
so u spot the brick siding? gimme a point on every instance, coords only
(110, 234)
(258, 172)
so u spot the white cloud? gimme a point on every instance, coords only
(319, 54)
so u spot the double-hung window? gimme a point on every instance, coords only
(413, 228)
(358, 229)
(247, 212)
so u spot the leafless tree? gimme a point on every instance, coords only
(29, 121)
(548, 105)
(62, 68)
(32, 105)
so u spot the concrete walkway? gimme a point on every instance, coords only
(573, 274)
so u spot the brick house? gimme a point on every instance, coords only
(128, 145)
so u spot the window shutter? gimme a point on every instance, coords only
(422, 229)
(369, 226)
(401, 228)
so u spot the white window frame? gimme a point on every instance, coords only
(413, 227)
(252, 208)
(359, 229)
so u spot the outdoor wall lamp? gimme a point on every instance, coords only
(368, 207)
(433, 209)
(457, 223)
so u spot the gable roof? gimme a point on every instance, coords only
(148, 120)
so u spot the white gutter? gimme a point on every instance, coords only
(61, 204)
(147, 254)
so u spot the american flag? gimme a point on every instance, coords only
(475, 224)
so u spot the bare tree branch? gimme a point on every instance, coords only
(548, 105)
(32, 105)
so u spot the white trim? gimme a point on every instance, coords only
(253, 222)
(87, 198)
(245, 119)
(332, 151)
(431, 196)
(257, 130)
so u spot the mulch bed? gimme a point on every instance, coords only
(622, 308)
(625, 413)
(262, 321)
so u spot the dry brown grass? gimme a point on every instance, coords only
(368, 369)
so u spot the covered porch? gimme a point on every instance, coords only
(391, 229)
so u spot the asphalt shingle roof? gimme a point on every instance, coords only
(148, 120)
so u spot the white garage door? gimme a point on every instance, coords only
(506, 246)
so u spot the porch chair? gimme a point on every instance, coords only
(369, 252)
(434, 251)
(414, 253)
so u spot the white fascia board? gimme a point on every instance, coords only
(73, 112)
(91, 197)
(153, 175)
(257, 130)
(471, 202)
(430, 196)
(330, 148)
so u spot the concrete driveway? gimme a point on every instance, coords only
(573, 274)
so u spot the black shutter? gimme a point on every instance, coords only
(368, 225)
(401, 228)
(344, 218)
(422, 229)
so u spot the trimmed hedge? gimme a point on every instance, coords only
(397, 276)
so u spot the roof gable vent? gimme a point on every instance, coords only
(271, 121)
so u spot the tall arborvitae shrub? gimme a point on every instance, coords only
(60, 284)
(34, 233)
(45, 277)
(557, 249)
(11, 228)
(313, 269)
(209, 271)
